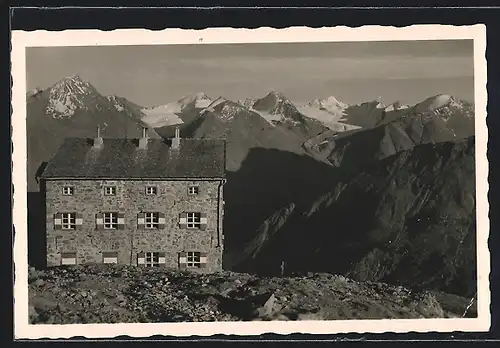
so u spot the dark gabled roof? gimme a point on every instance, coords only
(123, 159)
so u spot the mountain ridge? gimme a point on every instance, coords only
(429, 189)
(394, 131)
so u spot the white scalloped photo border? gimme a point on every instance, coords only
(21, 40)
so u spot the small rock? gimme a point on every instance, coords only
(39, 282)
(268, 308)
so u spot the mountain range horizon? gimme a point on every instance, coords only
(265, 91)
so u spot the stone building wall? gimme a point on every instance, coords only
(171, 199)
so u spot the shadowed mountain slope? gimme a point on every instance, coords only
(407, 219)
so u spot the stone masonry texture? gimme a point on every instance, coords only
(172, 198)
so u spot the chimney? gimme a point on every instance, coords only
(176, 141)
(143, 142)
(98, 141)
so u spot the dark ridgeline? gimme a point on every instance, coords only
(408, 219)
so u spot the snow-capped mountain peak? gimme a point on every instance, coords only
(168, 114)
(275, 107)
(330, 104)
(227, 110)
(247, 102)
(275, 103)
(224, 109)
(198, 100)
(67, 96)
(72, 84)
(327, 111)
(446, 106)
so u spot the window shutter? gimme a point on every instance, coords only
(110, 257)
(182, 220)
(57, 221)
(79, 221)
(99, 221)
(141, 259)
(161, 220)
(203, 260)
(203, 221)
(161, 258)
(182, 260)
(121, 221)
(141, 220)
(68, 258)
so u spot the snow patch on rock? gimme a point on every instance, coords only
(327, 111)
(161, 116)
(167, 115)
(116, 102)
(434, 103)
(396, 106)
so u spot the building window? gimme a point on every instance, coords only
(110, 257)
(151, 220)
(193, 259)
(193, 220)
(151, 190)
(193, 190)
(110, 190)
(68, 221)
(151, 259)
(68, 258)
(110, 221)
(68, 190)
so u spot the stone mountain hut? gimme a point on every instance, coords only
(145, 202)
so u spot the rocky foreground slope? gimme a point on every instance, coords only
(111, 294)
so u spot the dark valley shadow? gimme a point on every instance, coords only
(268, 180)
(406, 220)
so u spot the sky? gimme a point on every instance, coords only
(353, 72)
